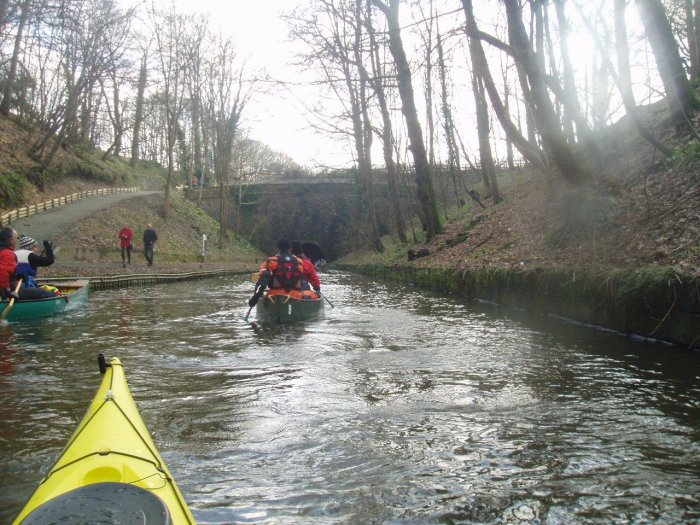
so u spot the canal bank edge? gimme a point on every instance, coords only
(658, 303)
(110, 282)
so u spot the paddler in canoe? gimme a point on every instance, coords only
(310, 278)
(8, 264)
(28, 264)
(286, 274)
(18, 260)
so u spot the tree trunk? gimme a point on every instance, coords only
(553, 139)
(622, 78)
(363, 130)
(115, 117)
(681, 99)
(428, 44)
(196, 139)
(11, 79)
(569, 96)
(506, 102)
(138, 112)
(691, 35)
(387, 135)
(448, 123)
(429, 216)
(528, 149)
(488, 167)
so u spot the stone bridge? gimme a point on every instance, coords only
(325, 211)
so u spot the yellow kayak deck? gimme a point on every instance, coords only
(110, 448)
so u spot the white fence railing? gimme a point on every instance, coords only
(28, 211)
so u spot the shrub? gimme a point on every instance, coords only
(12, 188)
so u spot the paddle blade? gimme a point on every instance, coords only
(7, 309)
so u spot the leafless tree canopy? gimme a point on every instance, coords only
(434, 96)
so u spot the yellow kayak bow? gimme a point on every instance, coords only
(110, 468)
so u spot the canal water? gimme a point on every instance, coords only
(399, 406)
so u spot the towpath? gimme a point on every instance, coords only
(49, 224)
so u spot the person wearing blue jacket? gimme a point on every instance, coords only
(28, 262)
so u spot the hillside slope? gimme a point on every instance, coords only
(86, 233)
(642, 210)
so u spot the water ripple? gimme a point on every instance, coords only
(398, 406)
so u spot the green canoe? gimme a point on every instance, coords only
(73, 293)
(280, 308)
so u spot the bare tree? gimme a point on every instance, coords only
(91, 37)
(194, 57)
(681, 98)
(527, 149)
(225, 99)
(427, 36)
(363, 128)
(429, 216)
(169, 30)
(387, 133)
(335, 37)
(553, 138)
(622, 76)
(139, 106)
(9, 87)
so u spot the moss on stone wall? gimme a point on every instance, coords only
(656, 302)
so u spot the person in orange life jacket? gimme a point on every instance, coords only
(28, 261)
(281, 271)
(126, 234)
(8, 264)
(310, 275)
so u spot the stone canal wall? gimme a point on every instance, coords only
(655, 303)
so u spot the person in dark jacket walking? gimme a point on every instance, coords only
(150, 237)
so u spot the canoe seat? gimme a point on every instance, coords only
(102, 503)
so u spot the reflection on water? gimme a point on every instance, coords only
(398, 406)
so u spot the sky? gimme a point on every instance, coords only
(277, 117)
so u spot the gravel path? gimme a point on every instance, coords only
(49, 224)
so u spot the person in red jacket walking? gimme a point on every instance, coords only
(126, 234)
(8, 263)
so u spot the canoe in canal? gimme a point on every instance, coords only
(73, 293)
(110, 469)
(278, 306)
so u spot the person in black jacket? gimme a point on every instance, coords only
(28, 261)
(149, 240)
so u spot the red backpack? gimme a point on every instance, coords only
(288, 273)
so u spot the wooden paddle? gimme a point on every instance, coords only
(257, 294)
(246, 315)
(7, 309)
